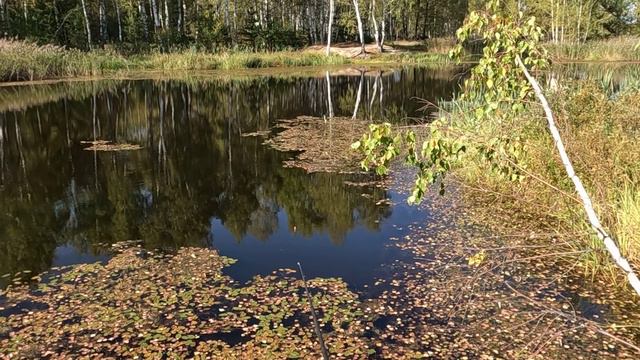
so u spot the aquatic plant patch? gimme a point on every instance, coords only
(319, 144)
(142, 304)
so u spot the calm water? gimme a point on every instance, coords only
(197, 181)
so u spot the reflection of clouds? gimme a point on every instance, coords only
(68, 207)
(263, 221)
(147, 198)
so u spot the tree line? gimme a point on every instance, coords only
(218, 24)
(260, 25)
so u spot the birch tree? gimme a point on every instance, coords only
(502, 86)
(102, 17)
(3, 10)
(86, 23)
(356, 7)
(376, 33)
(119, 19)
(332, 10)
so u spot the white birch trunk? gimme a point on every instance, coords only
(383, 25)
(376, 33)
(586, 33)
(609, 243)
(2, 13)
(166, 15)
(564, 17)
(119, 20)
(154, 13)
(356, 7)
(329, 27)
(184, 15)
(579, 21)
(180, 14)
(86, 22)
(102, 17)
(553, 29)
(235, 17)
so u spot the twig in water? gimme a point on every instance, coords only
(325, 353)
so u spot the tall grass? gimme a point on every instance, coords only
(624, 48)
(20, 61)
(27, 61)
(601, 133)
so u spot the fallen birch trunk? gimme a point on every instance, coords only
(609, 243)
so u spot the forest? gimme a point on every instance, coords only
(132, 26)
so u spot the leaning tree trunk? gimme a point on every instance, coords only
(331, 15)
(360, 28)
(609, 243)
(86, 22)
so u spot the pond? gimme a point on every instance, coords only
(197, 181)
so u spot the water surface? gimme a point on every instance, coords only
(197, 181)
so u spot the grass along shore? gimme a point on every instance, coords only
(21, 61)
(624, 48)
(24, 61)
(600, 130)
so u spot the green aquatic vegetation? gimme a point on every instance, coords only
(145, 304)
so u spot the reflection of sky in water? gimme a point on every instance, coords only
(357, 259)
(196, 182)
(69, 255)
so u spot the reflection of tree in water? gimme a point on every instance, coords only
(194, 166)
